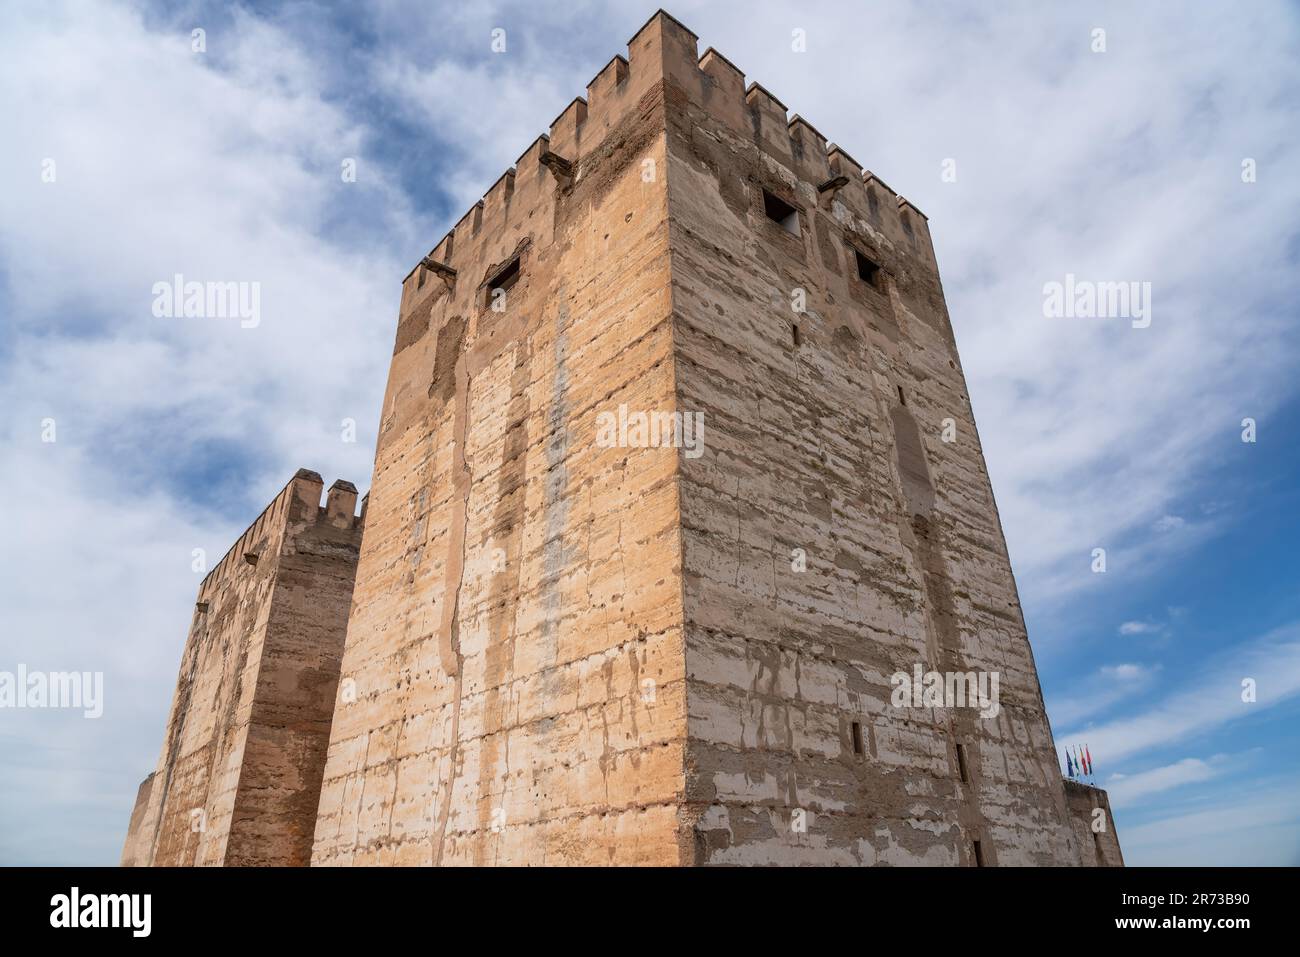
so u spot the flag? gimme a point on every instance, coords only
(1089, 754)
(1069, 768)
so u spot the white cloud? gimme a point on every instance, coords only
(1259, 828)
(1139, 628)
(163, 165)
(1125, 790)
(1212, 700)
(1109, 686)
(1125, 672)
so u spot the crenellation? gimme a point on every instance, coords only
(663, 49)
(769, 126)
(722, 87)
(808, 152)
(341, 504)
(605, 89)
(445, 250)
(566, 129)
(496, 201)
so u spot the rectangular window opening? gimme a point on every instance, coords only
(857, 737)
(961, 763)
(781, 213)
(503, 280)
(979, 854)
(868, 271)
(794, 335)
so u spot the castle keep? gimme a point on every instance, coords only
(677, 646)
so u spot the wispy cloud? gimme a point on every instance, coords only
(1125, 790)
(1100, 690)
(1261, 827)
(170, 435)
(1213, 699)
(1139, 628)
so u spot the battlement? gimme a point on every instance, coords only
(298, 502)
(665, 51)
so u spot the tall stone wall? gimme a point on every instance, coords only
(516, 639)
(137, 846)
(1094, 826)
(239, 775)
(832, 538)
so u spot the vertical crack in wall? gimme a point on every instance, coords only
(505, 533)
(554, 503)
(449, 632)
(943, 644)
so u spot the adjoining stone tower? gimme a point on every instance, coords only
(656, 643)
(238, 781)
(1094, 825)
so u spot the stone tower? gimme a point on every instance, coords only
(672, 639)
(238, 780)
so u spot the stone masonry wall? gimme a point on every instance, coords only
(136, 848)
(824, 397)
(1094, 833)
(516, 638)
(239, 775)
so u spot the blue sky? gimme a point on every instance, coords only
(1115, 165)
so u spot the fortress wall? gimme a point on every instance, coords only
(516, 634)
(136, 848)
(830, 443)
(241, 742)
(1095, 833)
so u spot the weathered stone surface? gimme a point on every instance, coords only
(238, 781)
(135, 851)
(1094, 826)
